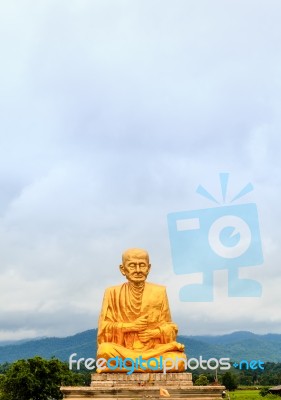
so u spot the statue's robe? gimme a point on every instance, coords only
(124, 303)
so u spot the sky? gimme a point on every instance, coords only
(112, 113)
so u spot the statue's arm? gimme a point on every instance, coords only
(168, 329)
(107, 327)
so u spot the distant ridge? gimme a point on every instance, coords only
(83, 343)
(237, 346)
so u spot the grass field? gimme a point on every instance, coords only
(250, 395)
(245, 395)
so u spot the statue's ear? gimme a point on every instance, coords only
(121, 267)
(149, 266)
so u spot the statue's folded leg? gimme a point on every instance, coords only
(110, 350)
(172, 355)
(160, 349)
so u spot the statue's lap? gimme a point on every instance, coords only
(122, 359)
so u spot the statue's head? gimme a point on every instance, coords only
(135, 265)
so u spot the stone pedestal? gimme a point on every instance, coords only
(142, 386)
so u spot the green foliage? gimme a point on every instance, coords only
(264, 391)
(270, 376)
(4, 367)
(37, 379)
(229, 380)
(202, 380)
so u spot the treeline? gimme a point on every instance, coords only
(38, 378)
(270, 376)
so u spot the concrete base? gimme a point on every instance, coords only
(142, 386)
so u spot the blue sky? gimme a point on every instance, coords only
(112, 113)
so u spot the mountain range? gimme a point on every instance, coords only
(237, 346)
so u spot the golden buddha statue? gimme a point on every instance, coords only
(135, 320)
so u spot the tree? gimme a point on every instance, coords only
(37, 379)
(264, 391)
(4, 367)
(202, 380)
(229, 380)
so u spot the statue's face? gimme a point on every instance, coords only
(135, 269)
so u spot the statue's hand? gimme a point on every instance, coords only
(140, 324)
(137, 326)
(148, 334)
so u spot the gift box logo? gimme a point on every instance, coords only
(223, 237)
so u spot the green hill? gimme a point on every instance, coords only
(83, 344)
(237, 346)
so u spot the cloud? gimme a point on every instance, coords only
(112, 113)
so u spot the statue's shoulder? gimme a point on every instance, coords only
(115, 288)
(155, 286)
